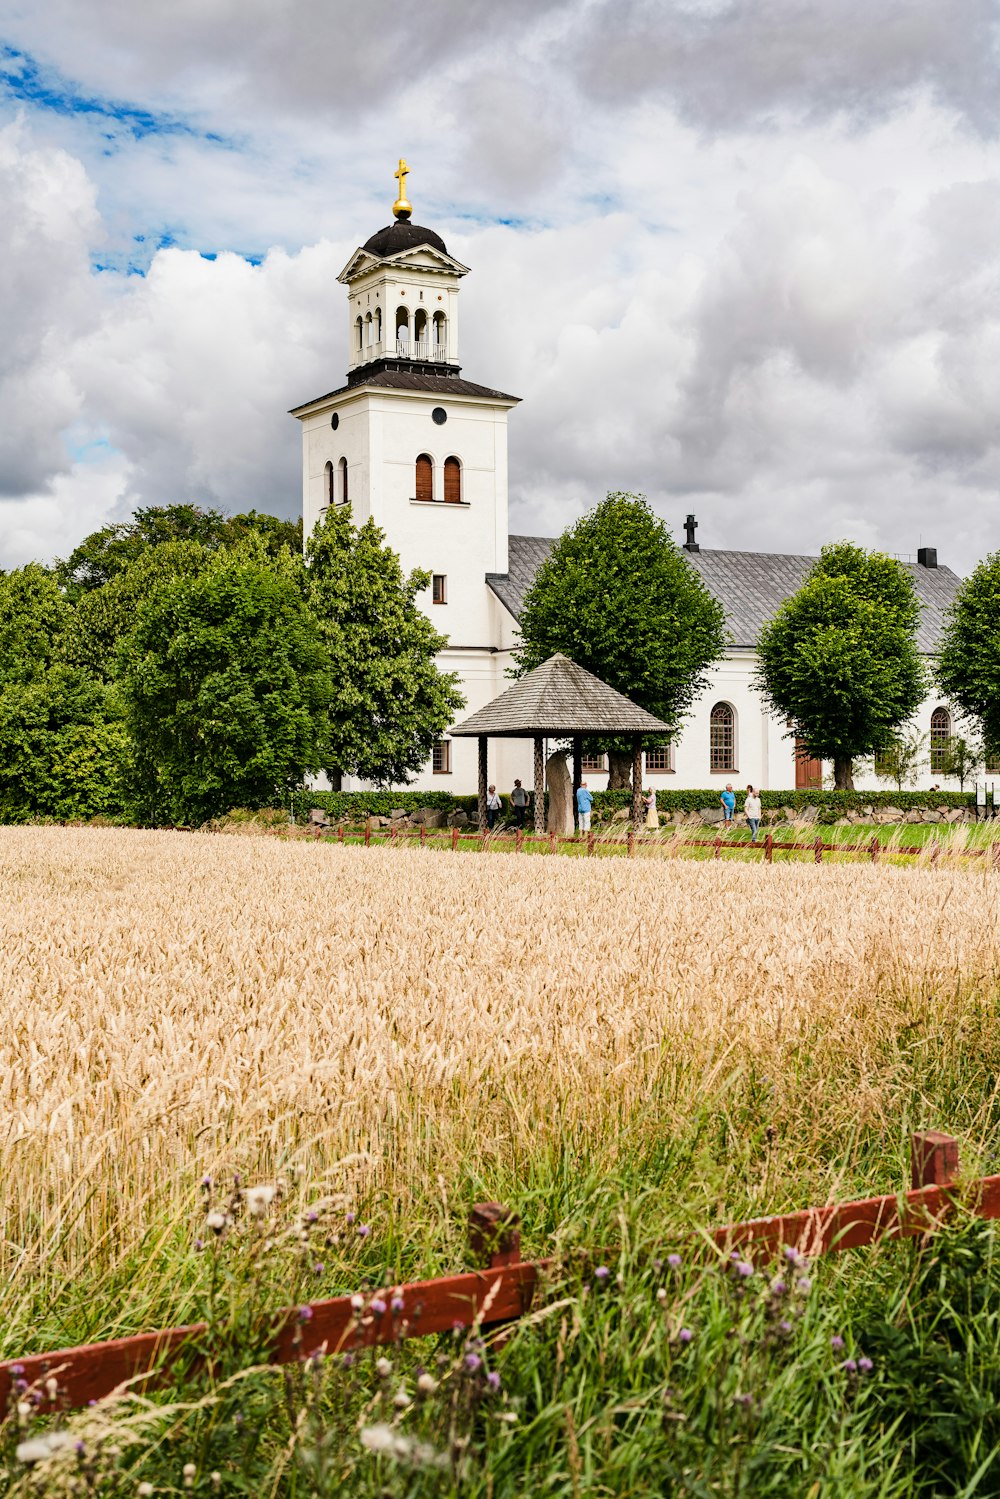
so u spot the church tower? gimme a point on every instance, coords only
(408, 442)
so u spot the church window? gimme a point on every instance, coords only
(420, 333)
(439, 330)
(592, 762)
(425, 477)
(660, 761)
(439, 416)
(359, 329)
(940, 737)
(722, 738)
(439, 588)
(452, 481)
(441, 758)
(378, 325)
(329, 490)
(343, 481)
(402, 328)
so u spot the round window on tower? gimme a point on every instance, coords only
(335, 420)
(439, 415)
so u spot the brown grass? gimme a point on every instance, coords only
(172, 1001)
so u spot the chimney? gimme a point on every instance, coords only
(927, 557)
(690, 527)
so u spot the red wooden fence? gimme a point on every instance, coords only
(503, 1289)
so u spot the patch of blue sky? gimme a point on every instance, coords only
(484, 220)
(26, 81)
(83, 447)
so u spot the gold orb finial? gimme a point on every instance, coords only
(402, 208)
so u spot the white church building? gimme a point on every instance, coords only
(411, 443)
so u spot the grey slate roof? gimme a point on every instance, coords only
(438, 385)
(749, 585)
(556, 699)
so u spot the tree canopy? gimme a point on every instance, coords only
(390, 701)
(968, 663)
(619, 597)
(840, 660)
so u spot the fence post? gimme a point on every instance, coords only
(454, 839)
(769, 848)
(631, 840)
(818, 856)
(494, 1235)
(392, 832)
(423, 835)
(552, 843)
(368, 831)
(718, 847)
(874, 849)
(518, 840)
(340, 832)
(933, 1159)
(590, 841)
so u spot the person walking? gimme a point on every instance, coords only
(752, 809)
(494, 806)
(652, 816)
(728, 800)
(519, 801)
(584, 802)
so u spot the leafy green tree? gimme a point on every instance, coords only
(619, 597)
(110, 551)
(226, 689)
(34, 617)
(961, 759)
(104, 616)
(390, 701)
(63, 748)
(901, 761)
(968, 663)
(840, 657)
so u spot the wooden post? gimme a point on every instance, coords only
(577, 775)
(818, 854)
(631, 840)
(636, 780)
(494, 1235)
(769, 848)
(718, 847)
(454, 839)
(552, 843)
(483, 774)
(539, 787)
(392, 832)
(874, 849)
(518, 840)
(368, 831)
(933, 1159)
(340, 832)
(590, 841)
(423, 835)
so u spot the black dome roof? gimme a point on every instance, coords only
(402, 235)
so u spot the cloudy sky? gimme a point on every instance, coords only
(742, 256)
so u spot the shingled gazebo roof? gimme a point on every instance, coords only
(558, 699)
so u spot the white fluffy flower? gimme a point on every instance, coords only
(216, 1221)
(258, 1200)
(427, 1384)
(401, 1400)
(384, 1368)
(357, 1303)
(37, 1449)
(384, 1440)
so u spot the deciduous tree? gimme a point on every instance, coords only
(968, 663)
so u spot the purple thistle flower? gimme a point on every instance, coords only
(744, 1269)
(674, 1261)
(199, 1245)
(837, 1341)
(79, 1449)
(805, 1285)
(602, 1272)
(685, 1335)
(397, 1304)
(312, 1215)
(473, 1362)
(237, 1179)
(349, 1218)
(318, 1268)
(849, 1366)
(458, 1327)
(305, 1313)
(363, 1230)
(378, 1307)
(778, 1286)
(865, 1365)
(493, 1380)
(347, 1360)
(20, 1385)
(784, 1327)
(17, 1370)
(206, 1182)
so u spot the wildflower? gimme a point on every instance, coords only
(661, 1296)
(318, 1267)
(217, 1221)
(685, 1335)
(258, 1200)
(778, 1286)
(509, 1416)
(199, 1245)
(347, 1360)
(837, 1341)
(865, 1365)
(206, 1183)
(145, 1489)
(744, 1400)
(384, 1368)
(24, 1412)
(493, 1381)
(349, 1218)
(805, 1285)
(312, 1216)
(849, 1366)
(17, 1370)
(473, 1362)
(37, 1449)
(363, 1230)
(427, 1384)
(601, 1273)
(20, 1385)
(674, 1261)
(52, 1387)
(305, 1313)
(378, 1307)
(401, 1400)
(743, 1269)
(216, 1478)
(189, 1470)
(405, 1449)
(397, 1304)
(785, 1327)
(357, 1303)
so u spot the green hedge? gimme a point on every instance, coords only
(354, 806)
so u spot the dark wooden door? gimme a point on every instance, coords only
(808, 773)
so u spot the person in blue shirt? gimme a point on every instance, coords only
(728, 800)
(584, 802)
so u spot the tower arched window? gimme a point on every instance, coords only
(378, 325)
(343, 481)
(440, 334)
(402, 327)
(329, 482)
(722, 738)
(359, 329)
(368, 329)
(420, 333)
(425, 477)
(940, 737)
(452, 481)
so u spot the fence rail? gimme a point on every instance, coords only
(503, 1289)
(766, 848)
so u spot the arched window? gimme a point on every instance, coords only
(368, 329)
(402, 328)
(940, 736)
(439, 329)
(359, 329)
(378, 325)
(420, 333)
(329, 492)
(452, 481)
(343, 481)
(722, 738)
(425, 477)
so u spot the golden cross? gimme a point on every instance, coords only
(401, 206)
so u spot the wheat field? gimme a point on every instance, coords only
(175, 1003)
